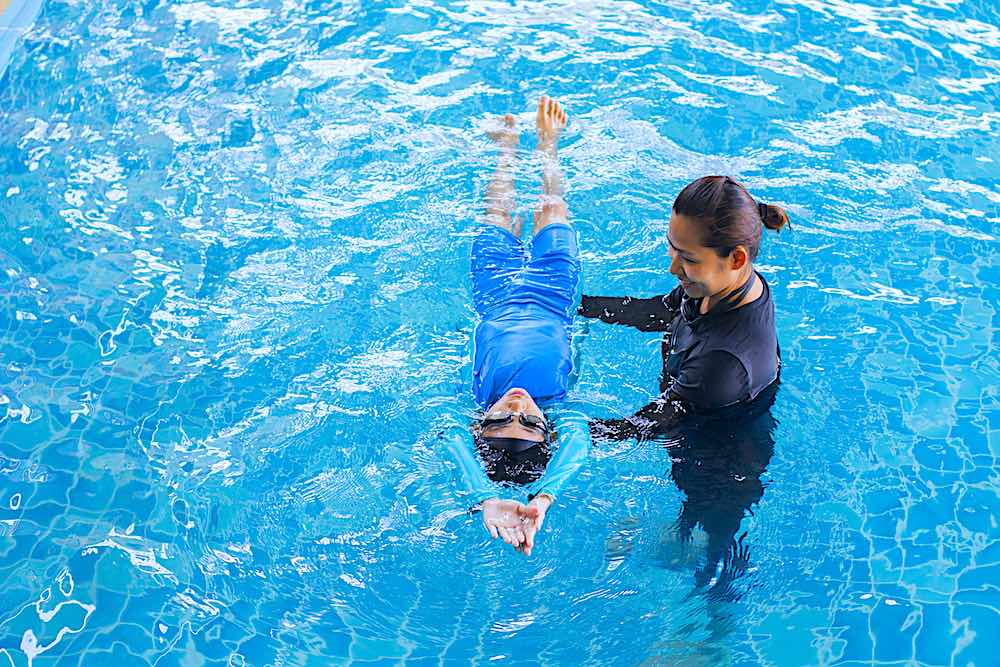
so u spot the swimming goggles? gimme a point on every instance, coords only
(504, 417)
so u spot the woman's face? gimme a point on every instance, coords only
(515, 400)
(700, 270)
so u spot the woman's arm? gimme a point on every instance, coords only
(649, 421)
(652, 314)
(712, 381)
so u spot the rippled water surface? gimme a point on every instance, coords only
(235, 312)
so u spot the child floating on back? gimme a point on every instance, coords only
(525, 297)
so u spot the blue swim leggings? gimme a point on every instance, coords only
(505, 273)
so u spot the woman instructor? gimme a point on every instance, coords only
(721, 365)
(720, 346)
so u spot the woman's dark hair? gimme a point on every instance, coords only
(728, 214)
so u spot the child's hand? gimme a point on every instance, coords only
(533, 524)
(507, 518)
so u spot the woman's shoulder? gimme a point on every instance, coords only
(757, 309)
(759, 295)
(750, 324)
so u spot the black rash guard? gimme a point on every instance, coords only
(710, 361)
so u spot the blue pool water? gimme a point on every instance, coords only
(235, 316)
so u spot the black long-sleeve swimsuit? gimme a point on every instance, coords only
(710, 361)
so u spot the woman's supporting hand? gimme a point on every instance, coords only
(532, 525)
(508, 519)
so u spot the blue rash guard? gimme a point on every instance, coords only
(526, 306)
(526, 302)
(572, 452)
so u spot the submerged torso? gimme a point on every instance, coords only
(523, 346)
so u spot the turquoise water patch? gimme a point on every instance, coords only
(235, 317)
(16, 18)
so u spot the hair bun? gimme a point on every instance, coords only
(773, 217)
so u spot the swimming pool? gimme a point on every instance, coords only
(236, 313)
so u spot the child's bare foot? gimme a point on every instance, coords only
(506, 134)
(551, 120)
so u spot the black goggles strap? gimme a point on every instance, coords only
(511, 445)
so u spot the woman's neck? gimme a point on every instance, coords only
(755, 291)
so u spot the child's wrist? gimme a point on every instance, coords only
(546, 496)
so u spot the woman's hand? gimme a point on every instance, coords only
(532, 525)
(508, 519)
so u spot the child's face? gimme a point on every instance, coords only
(515, 400)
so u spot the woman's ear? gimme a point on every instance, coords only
(738, 258)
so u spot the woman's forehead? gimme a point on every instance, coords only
(683, 234)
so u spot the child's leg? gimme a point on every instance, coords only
(553, 272)
(497, 259)
(497, 251)
(500, 191)
(551, 120)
